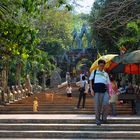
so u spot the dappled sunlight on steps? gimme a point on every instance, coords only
(60, 104)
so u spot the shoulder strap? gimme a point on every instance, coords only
(84, 84)
(94, 76)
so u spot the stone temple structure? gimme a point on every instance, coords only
(80, 48)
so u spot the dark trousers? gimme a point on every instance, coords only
(81, 95)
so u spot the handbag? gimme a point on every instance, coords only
(82, 89)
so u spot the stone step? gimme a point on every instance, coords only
(69, 127)
(67, 121)
(43, 108)
(50, 102)
(70, 134)
(59, 111)
(56, 105)
(55, 139)
(59, 104)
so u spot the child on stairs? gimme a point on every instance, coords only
(35, 104)
(69, 92)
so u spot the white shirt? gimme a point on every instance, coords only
(83, 83)
(81, 75)
(100, 77)
(69, 89)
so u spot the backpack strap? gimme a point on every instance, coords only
(94, 76)
(93, 80)
(84, 84)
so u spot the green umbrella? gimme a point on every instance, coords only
(132, 58)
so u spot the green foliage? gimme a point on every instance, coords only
(31, 32)
(112, 22)
(3, 8)
(131, 36)
(55, 31)
(83, 63)
(79, 20)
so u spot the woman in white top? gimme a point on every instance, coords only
(82, 92)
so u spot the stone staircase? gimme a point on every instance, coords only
(60, 104)
(67, 127)
(58, 119)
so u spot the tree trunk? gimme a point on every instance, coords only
(44, 81)
(4, 80)
(18, 74)
(34, 77)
